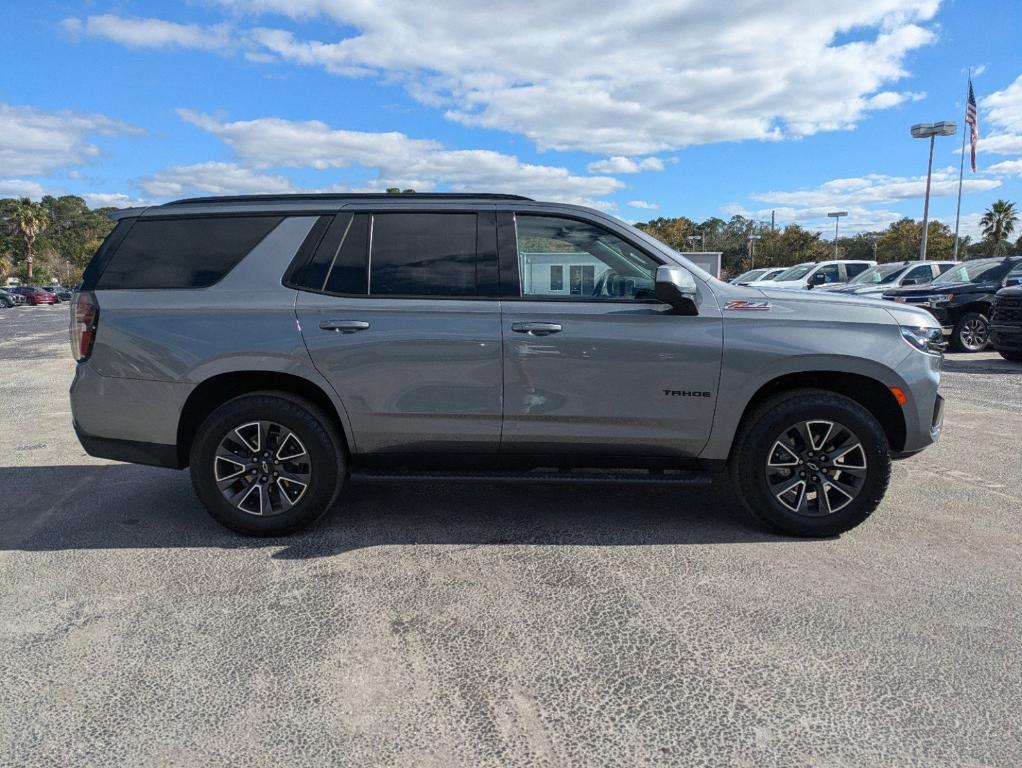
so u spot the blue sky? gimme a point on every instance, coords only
(698, 108)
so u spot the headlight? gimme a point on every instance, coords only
(941, 297)
(928, 340)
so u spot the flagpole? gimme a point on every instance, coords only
(961, 169)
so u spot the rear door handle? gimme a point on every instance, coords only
(344, 326)
(536, 329)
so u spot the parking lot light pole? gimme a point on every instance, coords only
(930, 131)
(700, 238)
(836, 215)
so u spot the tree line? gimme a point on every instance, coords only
(53, 239)
(745, 243)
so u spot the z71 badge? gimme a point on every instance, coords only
(747, 305)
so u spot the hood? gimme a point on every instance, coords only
(1014, 292)
(924, 290)
(842, 303)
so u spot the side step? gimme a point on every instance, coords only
(588, 476)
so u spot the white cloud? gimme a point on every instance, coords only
(114, 200)
(1008, 167)
(643, 204)
(621, 164)
(400, 161)
(1004, 108)
(21, 188)
(1003, 113)
(876, 189)
(150, 33)
(35, 141)
(214, 179)
(609, 78)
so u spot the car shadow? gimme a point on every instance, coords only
(123, 506)
(981, 365)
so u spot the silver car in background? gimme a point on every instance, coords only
(279, 345)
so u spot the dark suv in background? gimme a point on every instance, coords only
(962, 297)
(1006, 321)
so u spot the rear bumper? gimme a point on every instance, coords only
(153, 454)
(127, 419)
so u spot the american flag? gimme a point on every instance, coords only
(973, 121)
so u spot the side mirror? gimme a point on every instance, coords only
(818, 279)
(913, 281)
(1011, 282)
(677, 287)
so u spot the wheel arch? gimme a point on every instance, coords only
(872, 394)
(216, 390)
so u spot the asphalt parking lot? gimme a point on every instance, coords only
(496, 626)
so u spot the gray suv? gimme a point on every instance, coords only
(279, 345)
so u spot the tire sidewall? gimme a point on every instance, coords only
(759, 440)
(305, 422)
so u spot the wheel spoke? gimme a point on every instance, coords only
(819, 432)
(290, 448)
(251, 501)
(226, 469)
(782, 456)
(853, 457)
(796, 488)
(250, 435)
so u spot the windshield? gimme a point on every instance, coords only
(795, 273)
(883, 273)
(749, 276)
(972, 271)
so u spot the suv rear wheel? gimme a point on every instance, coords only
(811, 463)
(267, 463)
(971, 333)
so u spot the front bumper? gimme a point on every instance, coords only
(1006, 337)
(924, 411)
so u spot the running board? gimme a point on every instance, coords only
(590, 476)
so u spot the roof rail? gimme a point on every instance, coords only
(342, 196)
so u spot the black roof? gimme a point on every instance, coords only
(344, 196)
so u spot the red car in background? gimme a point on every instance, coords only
(35, 295)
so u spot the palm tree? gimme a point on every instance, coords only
(29, 219)
(998, 223)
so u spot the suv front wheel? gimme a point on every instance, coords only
(267, 463)
(811, 463)
(971, 333)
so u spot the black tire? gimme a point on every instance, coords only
(964, 337)
(753, 451)
(1015, 357)
(323, 446)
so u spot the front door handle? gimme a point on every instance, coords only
(536, 329)
(344, 326)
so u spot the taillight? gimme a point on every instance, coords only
(84, 321)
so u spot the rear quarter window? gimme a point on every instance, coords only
(183, 253)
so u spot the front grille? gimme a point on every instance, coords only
(1007, 311)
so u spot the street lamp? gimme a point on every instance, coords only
(751, 240)
(836, 215)
(930, 131)
(700, 238)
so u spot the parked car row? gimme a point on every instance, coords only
(962, 296)
(33, 294)
(962, 299)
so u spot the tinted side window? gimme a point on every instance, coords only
(425, 254)
(854, 269)
(923, 273)
(830, 272)
(183, 253)
(348, 272)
